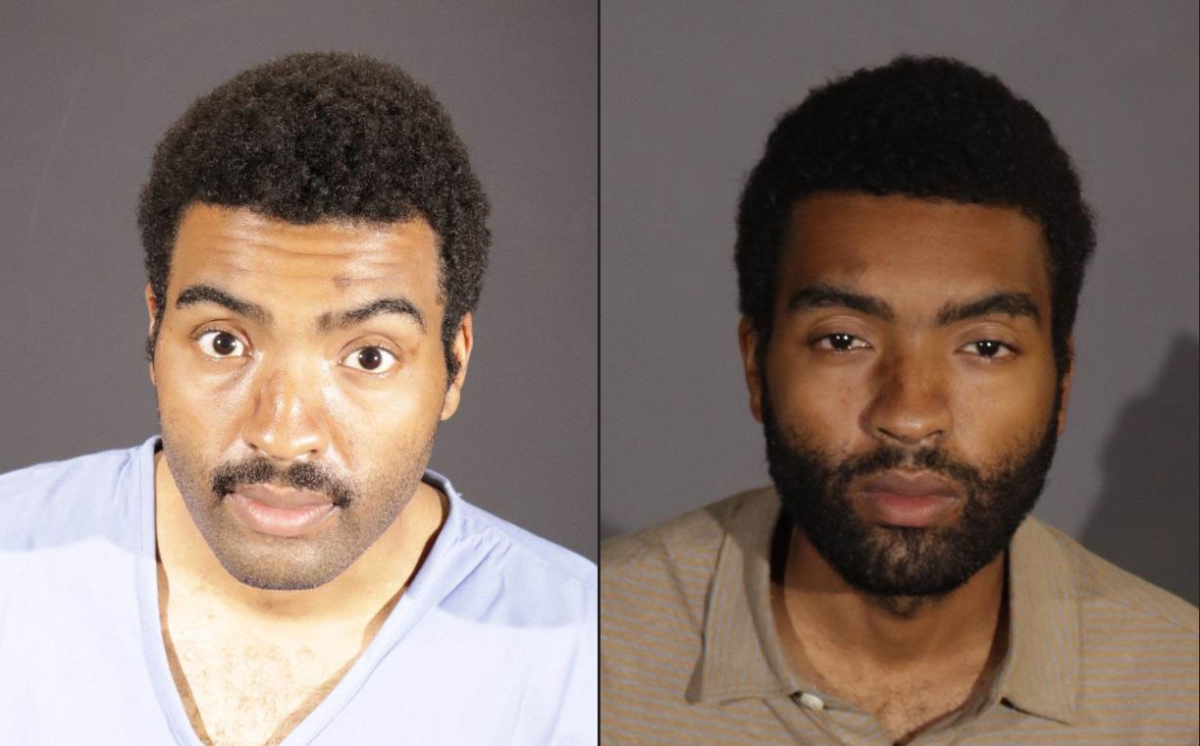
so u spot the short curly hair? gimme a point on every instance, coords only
(323, 136)
(926, 127)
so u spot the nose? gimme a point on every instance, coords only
(288, 420)
(910, 407)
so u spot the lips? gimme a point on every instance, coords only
(918, 500)
(920, 484)
(279, 512)
(280, 497)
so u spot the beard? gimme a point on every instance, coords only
(904, 567)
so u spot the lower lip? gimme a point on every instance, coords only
(907, 510)
(285, 522)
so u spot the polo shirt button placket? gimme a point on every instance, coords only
(811, 701)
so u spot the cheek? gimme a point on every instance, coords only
(820, 403)
(991, 411)
(1003, 416)
(194, 403)
(373, 424)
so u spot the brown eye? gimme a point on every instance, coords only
(991, 349)
(219, 344)
(371, 359)
(224, 344)
(840, 342)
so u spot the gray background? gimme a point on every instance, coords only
(89, 88)
(689, 91)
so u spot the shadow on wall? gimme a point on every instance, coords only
(1148, 518)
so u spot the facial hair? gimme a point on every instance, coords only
(365, 509)
(904, 566)
(302, 475)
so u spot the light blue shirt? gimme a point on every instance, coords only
(494, 642)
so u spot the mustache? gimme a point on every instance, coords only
(887, 458)
(301, 476)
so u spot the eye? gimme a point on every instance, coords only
(372, 359)
(991, 349)
(220, 344)
(840, 342)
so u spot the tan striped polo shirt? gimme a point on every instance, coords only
(689, 652)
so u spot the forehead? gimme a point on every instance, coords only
(242, 249)
(907, 246)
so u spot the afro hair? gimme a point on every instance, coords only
(323, 136)
(926, 127)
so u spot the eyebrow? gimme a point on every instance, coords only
(398, 306)
(823, 295)
(194, 294)
(326, 322)
(1003, 303)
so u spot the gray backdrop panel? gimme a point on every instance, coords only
(689, 91)
(89, 88)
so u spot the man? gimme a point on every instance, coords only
(279, 566)
(910, 253)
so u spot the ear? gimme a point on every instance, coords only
(152, 311)
(1066, 385)
(748, 341)
(464, 340)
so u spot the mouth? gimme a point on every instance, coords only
(281, 512)
(906, 499)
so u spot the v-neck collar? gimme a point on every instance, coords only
(437, 578)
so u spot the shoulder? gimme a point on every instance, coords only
(1099, 583)
(1138, 645)
(656, 588)
(514, 627)
(532, 578)
(692, 539)
(667, 569)
(47, 499)
(529, 551)
(51, 476)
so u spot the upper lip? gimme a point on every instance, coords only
(281, 497)
(912, 484)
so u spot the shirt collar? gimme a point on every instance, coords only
(742, 656)
(1041, 670)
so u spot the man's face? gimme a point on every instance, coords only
(300, 379)
(908, 392)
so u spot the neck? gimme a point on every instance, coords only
(822, 611)
(370, 585)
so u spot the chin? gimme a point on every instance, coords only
(272, 563)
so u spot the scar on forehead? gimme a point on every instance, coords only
(341, 282)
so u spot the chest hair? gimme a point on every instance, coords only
(240, 687)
